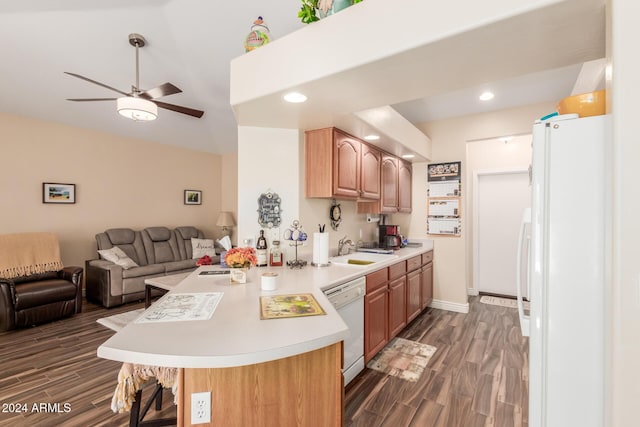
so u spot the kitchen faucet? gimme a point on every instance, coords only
(341, 244)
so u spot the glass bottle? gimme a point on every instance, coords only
(261, 250)
(275, 257)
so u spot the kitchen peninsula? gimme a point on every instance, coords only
(259, 372)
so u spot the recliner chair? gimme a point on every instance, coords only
(41, 297)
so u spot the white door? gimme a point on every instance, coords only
(501, 199)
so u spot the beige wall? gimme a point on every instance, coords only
(449, 140)
(229, 190)
(484, 156)
(119, 183)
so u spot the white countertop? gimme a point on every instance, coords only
(235, 335)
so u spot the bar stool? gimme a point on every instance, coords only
(132, 379)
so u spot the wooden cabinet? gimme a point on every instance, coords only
(397, 305)
(370, 161)
(342, 166)
(376, 317)
(396, 185)
(414, 289)
(395, 296)
(389, 176)
(404, 186)
(426, 293)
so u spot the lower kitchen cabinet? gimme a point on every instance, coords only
(414, 301)
(376, 314)
(426, 283)
(397, 305)
(394, 298)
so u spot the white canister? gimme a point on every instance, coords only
(269, 281)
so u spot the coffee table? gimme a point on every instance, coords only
(162, 283)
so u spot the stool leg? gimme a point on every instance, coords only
(134, 417)
(159, 398)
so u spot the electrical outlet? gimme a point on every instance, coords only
(201, 407)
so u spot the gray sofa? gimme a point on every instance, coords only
(158, 251)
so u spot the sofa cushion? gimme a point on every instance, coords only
(185, 264)
(126, 239)
(202, 247)
(184, 235)
(33, 294)
(160, 245)
(143, 271)
(121, 236)
(117, 256)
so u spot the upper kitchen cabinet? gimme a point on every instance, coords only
(396, 185)
(339, 165)
(389, 197)
(404, 186)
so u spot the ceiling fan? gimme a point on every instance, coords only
(140, 105)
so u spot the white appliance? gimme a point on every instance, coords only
(348, 299)
(569, 214)
(522, 278)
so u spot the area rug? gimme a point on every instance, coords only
(119, 321)
(403, 358)
(503, 302)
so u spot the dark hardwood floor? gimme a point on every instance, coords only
(477, 377)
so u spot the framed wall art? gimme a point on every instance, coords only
(192, 197)
(58, 193)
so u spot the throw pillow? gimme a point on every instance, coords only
(202, 247)
(117, 256)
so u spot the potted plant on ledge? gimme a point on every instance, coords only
(314, 10)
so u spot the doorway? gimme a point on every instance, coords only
(500, 198)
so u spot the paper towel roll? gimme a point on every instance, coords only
(269, 281)
(320, 249)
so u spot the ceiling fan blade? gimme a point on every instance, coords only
(97, 83)
(179, 109)
(160, 91)
(91, 99)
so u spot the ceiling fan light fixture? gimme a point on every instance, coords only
(137, 109)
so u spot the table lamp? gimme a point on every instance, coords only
(225, 220)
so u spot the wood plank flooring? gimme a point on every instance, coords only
(477, 377)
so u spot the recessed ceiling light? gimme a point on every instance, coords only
(486, 96)
(372, 137)
(295, 97)
(408, 156)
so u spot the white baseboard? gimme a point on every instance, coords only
(450, 306)
(472, 291)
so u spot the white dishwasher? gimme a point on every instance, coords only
(348, 300)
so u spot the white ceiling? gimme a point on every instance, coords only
(190, 43)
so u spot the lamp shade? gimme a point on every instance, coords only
(225, 220)
(137, 109)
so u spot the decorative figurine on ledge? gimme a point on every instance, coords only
(259, 35)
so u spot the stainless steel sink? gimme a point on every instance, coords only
(361, 259)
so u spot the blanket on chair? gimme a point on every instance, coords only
(23, 254)
(132, 377)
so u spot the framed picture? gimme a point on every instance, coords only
(58, 193)
(192, 197)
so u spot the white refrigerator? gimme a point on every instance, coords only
(566, 272)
